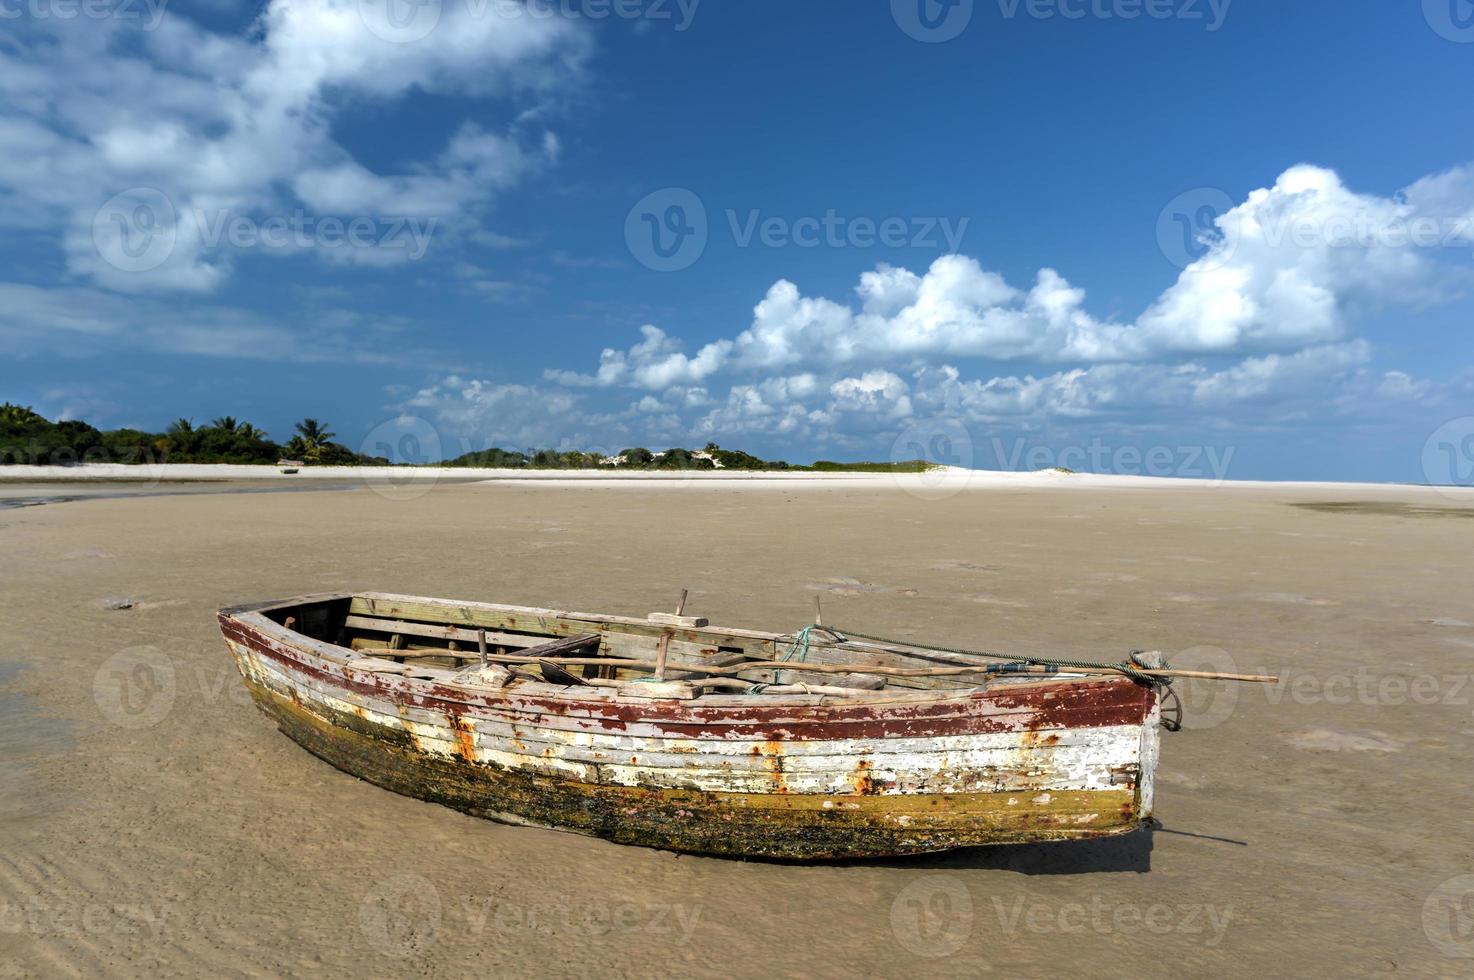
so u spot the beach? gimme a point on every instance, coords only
(152, 821)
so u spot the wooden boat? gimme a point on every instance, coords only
(672, 733)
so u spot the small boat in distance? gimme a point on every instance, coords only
(671, 733)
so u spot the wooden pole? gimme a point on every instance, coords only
(663, 646)
(481, 647)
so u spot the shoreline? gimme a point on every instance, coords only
(943, 480)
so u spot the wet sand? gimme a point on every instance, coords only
(152, 821)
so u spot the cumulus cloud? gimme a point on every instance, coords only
(657, 362)
(210, 125)
(1282, 272)
(486, 413)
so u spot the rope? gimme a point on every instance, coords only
(799, 646)
(1129, 667)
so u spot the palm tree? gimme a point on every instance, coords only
(181, 437)
(17, 414)
(225, 423)
(314, 436)
(248, 431)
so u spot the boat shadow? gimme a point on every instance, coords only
(1103, 855)
(1127, 852)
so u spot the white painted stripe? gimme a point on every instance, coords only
(1081, 759)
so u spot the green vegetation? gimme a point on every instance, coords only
(711, 457)
(27, 437)
(905, 466)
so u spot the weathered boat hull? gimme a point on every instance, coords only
(1016, 764)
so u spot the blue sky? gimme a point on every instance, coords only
(1215, 238)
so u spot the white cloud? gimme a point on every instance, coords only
(219, 124)
(482, 414)
(1288, 266)
(79, 321)
(656, 362)
(878, 393)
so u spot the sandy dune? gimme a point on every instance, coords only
(151, 821)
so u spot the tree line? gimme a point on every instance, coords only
(26, 437)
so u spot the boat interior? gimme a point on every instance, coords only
(585, 649)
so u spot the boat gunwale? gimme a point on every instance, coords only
(252, 616)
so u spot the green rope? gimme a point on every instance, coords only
(799, 647)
